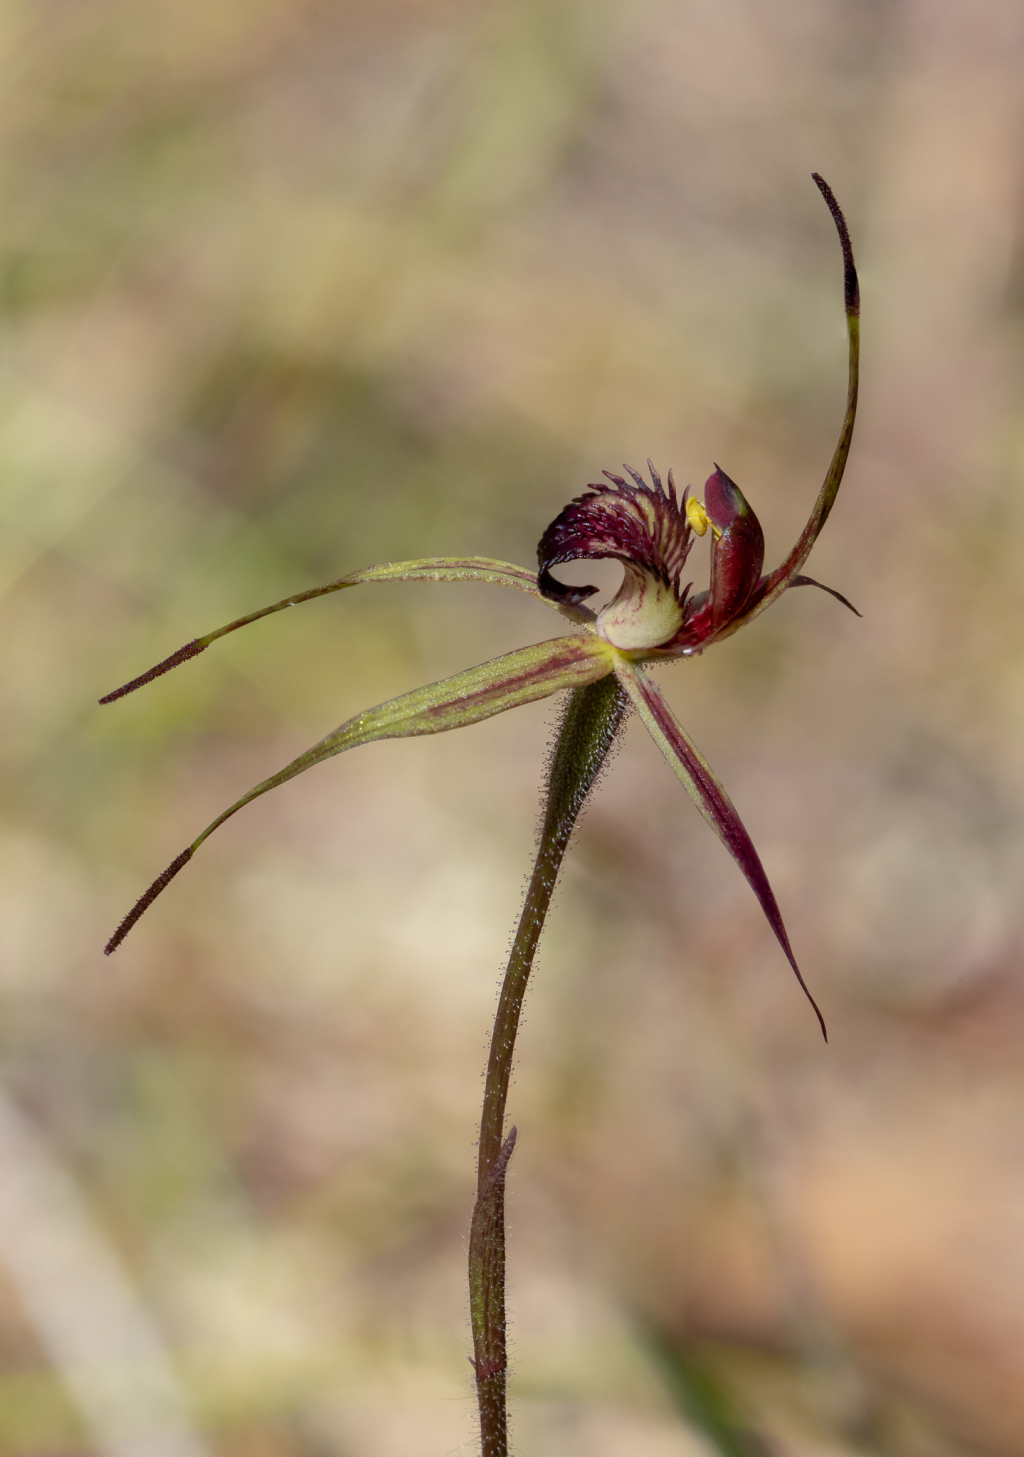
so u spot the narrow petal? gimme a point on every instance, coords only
(700, 783)
(503, 683)
(777, 582)
(424, 569)
(810, 582)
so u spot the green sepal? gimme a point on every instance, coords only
(478, 693)
(493, 687)
(421, 569)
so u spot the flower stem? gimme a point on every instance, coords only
(592, 721)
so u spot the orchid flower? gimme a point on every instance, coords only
(653, 618)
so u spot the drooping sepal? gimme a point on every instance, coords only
(643, 526)
(479, 693)
(699, 781)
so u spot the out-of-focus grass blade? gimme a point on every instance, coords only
(704, 1400)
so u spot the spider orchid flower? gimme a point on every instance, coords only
(653, 618)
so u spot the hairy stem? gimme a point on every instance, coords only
(592, 721)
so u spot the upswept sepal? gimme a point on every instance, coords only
(785, 575)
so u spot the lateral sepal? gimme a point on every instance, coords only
(421, 569)
(493, 687)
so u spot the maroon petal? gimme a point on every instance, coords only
(810, 582)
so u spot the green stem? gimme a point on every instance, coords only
(591, 724)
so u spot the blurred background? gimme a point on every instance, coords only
(291, 287)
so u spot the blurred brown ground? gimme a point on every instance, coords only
(291, 288)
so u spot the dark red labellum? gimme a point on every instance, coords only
(636, 523)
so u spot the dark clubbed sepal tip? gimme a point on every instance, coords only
(190, 650)
(145, 901)
(850, 271)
